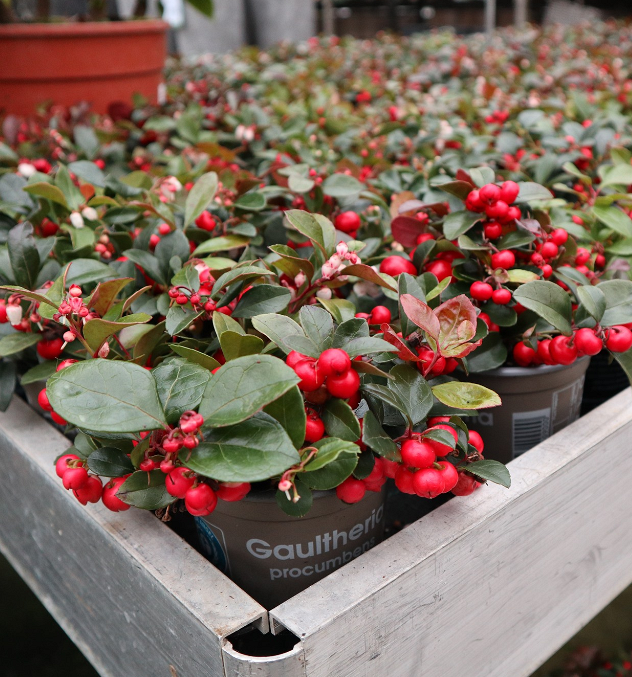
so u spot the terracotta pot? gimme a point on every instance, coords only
(67, 63)
(537, 402)
(273, 556)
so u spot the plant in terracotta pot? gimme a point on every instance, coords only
(548, 303)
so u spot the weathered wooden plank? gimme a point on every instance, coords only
(133, 596)
(491, 585)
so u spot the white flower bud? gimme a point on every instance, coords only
(325, 293)
(14, 313)
(76, 219)
(90, 213)
(26, 169)
(300, 279)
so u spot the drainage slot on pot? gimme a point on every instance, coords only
(251, 642)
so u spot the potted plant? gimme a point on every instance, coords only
(93, 60)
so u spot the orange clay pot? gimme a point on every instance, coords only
(67, 63)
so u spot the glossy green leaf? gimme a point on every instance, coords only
(145, 490)
(493, 471)
(180, 386)
(466, 395)
(110, 462)
(200, 197)
(549, 301)
(289, 411)
(340, 421)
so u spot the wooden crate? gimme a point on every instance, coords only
(485, 586)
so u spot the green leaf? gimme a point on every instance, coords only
(340, 309)
(179, 318)
(329, 449)
(254, 450)
(532, 191)
(302, 506)
(618, 295)
(615, 219)
(16, 343)
(412, 390)
(40, 372)
(318, 326)
(491, 354)
(23, 254)
(490, 470)
(367, 273)
(88, 171)
(519, 276)
(31, 295)
(85, 271)
(289, 411)
(47, 191)
(374, 436)
(262, 299)
(549, 301)
(98, 330)
(335, 461)
(308, 225)
(342, 186)
(236, 345)
(238, 274)
(466, 395)
(482, 176)
(244, 386)
(145, 490)
(200, 197)
(364, 345)
(106, 396)
(619, 175)
(251, 202)
(180, 386)
(196, 357)
(277, 328)
(110, 462)
(457, 223)
(593, 299)
(340, 421)
(221, 244)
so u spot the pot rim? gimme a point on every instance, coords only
(542, 369)
(45, 31)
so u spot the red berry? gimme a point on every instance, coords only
(547, 271)
(171, 445)
(428, 483)
(513, 213)
(233, 491)
(549, 250)
(466, 485)
(619, 339)
(154, 240)
(490, 193)
(351, 490)
(509, 191)
(334, 362)
(179, 481)
(90, 492)
(164, 229)
(562, 351)
(62, 463)
(600, 261)
(503, 259)
(426, 357)
(294, 358)
(50, 350)
(395, 265)
(501, 297)
(57, 418)
(559, 236)
(440, 269)
(544, 352)
(75, 478)
(416, 454)
(390, 468)
(587, 343)
(450, 475)
(524, 355)
(314, 428)
(348, 222)
(310, 375)
(481, 291)
(110, 500)
(205, 221)
(201, 500)
(377, 473)
(493, 230)
(380, 315)
(404, 480)
(435, 420)
(64, 363)
(3, 312)
(344, 386)
(147, 465)
(475, 439)
(492, 326)
(499, 210)
(583, 256)
(42, 400)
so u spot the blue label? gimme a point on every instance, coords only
(211, 546)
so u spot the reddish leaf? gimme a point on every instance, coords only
(462, 175)
(457, 319)
(406, 230)
(420, 314)
(460, 189)
(367, 273)
(403, 351)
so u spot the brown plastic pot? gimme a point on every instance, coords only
(67, 63)
(536, 402)
(273, 556)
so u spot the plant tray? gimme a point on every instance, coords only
(486, 586)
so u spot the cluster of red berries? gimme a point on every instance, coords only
(201, 299)
(331, 371)
(378, 316)
(352, 490)
(185, 435)
(566, 349)
(200, 498)
(74, 475)
(495, 201)
(421, 472)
